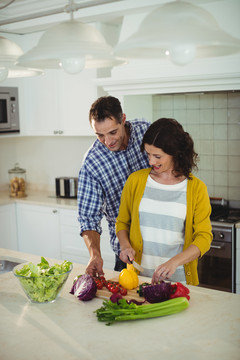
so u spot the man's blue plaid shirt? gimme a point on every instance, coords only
(102, 177)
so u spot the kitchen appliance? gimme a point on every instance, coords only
(9, 110)
(66, 187)
(217, 268)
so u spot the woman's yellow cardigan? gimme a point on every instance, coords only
(197, 226)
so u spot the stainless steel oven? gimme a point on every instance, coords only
(217, 268)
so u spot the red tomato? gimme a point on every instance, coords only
(109, 285)
(99, 285)
(103, 280)
(123, 291)
(114, 289)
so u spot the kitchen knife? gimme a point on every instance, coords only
(137, 266)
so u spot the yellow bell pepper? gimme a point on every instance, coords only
(128, 278)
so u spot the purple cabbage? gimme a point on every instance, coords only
(157, 293)
(115, 297)
(84, 287)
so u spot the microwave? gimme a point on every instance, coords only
(9, 110)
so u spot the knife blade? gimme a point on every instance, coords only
(137, 266)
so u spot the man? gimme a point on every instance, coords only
(106, 166)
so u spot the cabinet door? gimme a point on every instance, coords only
(8, 226)
(238, 261)
(58, 104)
(38, 230)
(41, 99)
(76, 95)
(73, 247)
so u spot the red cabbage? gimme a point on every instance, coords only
(157, 293)
(84, 288)
(115, 297)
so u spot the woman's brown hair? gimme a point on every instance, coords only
(169, 135)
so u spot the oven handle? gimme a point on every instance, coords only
(219, 247)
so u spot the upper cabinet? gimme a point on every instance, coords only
(58, 104)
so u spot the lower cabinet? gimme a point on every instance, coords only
(73, 247)
(8, 226)
(53, 232)
(38, 230)
(238, 261)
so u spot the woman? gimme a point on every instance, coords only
(164, 215)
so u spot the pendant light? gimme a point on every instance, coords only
(71, 45)
(181, 31)
(9, 53)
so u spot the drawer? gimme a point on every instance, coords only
(69, 217)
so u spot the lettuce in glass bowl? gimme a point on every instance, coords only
(42, 283)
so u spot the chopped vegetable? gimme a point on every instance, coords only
(128, 278)
(179, 290)
(115, 297)
(157, 293)
(121, 310)
(43, 282)
(140, 288)
(84, 287)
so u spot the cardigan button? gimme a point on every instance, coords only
(188, 273)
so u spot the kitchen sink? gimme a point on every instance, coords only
(8, 265)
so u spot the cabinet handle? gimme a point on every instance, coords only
(54, 211)
(60, 132)
(56, 132)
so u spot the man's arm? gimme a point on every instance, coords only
(89, 216)
(92, 241)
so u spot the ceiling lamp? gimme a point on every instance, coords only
(71, 45)
(181, 31)
(9, 53)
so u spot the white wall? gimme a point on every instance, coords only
(44, 158)
(213, 121)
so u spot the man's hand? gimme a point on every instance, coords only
(95, 266)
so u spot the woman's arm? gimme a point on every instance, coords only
(166, 270)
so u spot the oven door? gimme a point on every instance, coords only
(215, 268)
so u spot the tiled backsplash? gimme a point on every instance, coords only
(213, 121)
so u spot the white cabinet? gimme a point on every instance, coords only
(8, 232)
(54, 232)
(57, 103)
(38, 230)
(238, 261)
(72, 244)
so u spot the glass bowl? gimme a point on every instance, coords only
(41, 288)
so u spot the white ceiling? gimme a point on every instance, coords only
(107, 11)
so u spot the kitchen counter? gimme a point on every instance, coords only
(39, 197)
(45, 198)
(68, 328)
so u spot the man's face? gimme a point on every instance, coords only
(110, 133)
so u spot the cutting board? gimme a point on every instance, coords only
(104, 293)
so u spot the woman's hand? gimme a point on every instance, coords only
(127, 255)
(164, 271)
(127, 252)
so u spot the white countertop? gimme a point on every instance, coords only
(68, 329)
(39, 197)
(45, 198)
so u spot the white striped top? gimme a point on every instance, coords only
(162, 214)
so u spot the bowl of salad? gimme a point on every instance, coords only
(42, 283)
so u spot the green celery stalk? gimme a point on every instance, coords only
(123, 311)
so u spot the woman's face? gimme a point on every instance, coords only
(158, 159)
